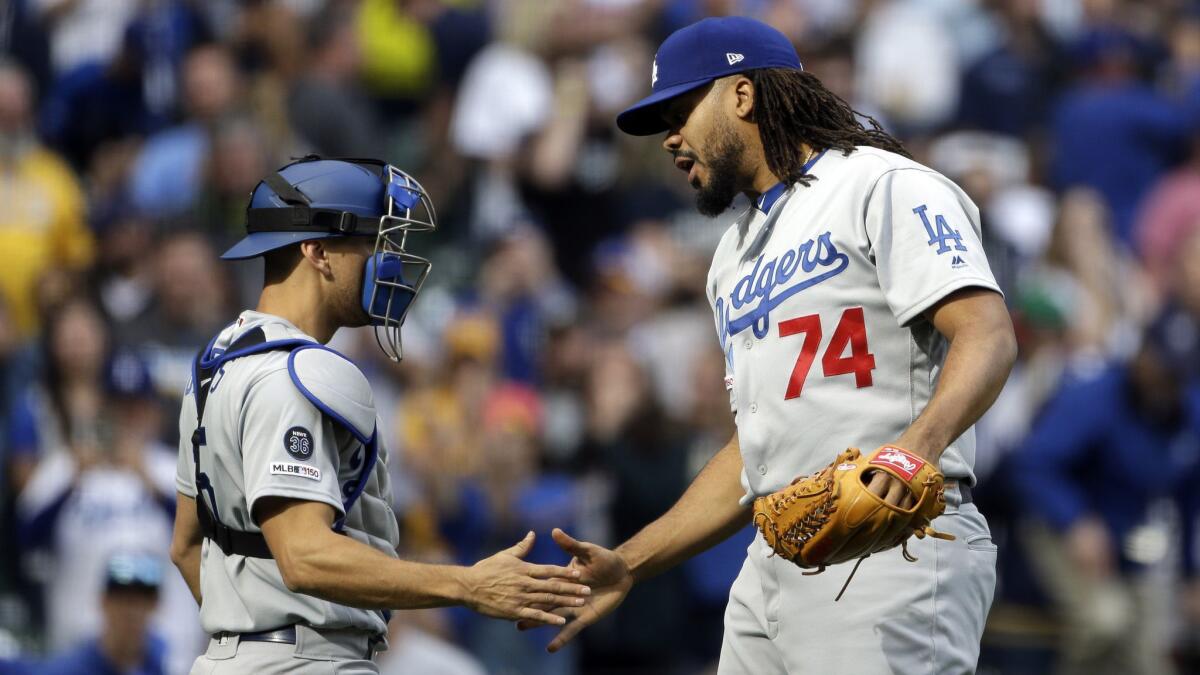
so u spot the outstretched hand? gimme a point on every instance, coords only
(604, 570)
(506, 587)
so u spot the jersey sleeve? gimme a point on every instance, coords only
(925, 240)
(289, 448)
(185, 470)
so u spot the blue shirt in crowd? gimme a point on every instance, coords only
(169, 174)
(1116, 139)
(88, 659)
(1092, 452)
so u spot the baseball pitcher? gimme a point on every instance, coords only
(863, 336)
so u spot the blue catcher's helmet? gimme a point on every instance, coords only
(316, 198)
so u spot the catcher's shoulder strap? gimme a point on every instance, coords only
(332, 383)
(329, 380)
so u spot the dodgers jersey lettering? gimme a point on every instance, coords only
(818, 305)
(263, 438)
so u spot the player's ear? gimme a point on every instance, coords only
(316, 254)
(743, 95)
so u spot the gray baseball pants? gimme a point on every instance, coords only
(896, 617)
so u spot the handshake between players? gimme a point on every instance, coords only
(284, 495)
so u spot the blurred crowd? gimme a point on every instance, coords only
(561, 366)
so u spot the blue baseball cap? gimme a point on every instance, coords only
(707, 50)
(129, 376)
(135, 570)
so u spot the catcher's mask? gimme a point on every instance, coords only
(315, 198)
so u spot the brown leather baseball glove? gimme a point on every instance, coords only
(831, 517)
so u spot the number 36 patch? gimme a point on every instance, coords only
(298, 442)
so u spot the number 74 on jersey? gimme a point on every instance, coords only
(850, 334)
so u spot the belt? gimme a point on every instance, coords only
(287, 636)
(964, 491)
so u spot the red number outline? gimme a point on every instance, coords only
(810, 326)
(851, 330)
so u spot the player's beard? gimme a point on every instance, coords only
(716, 194)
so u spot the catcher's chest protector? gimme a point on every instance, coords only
(358, 419)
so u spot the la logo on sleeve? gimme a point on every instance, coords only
(939, 231)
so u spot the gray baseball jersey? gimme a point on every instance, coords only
(265, 438)
(818, 294)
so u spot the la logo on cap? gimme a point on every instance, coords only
(733, 58)
(654, 73)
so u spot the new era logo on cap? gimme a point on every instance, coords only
(733, 58)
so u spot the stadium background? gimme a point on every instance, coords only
(561, 365)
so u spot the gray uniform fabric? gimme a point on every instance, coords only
(265, 439)
(896, 618)
(846, 258)
(818, 304)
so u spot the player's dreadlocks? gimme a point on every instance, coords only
(792, 106)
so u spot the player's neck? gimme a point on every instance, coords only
(312, 318)
(765, 179)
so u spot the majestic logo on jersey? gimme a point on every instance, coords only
(940, 232)
(733, 57)
(294, 469)
(298, 443)
(903, 462)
